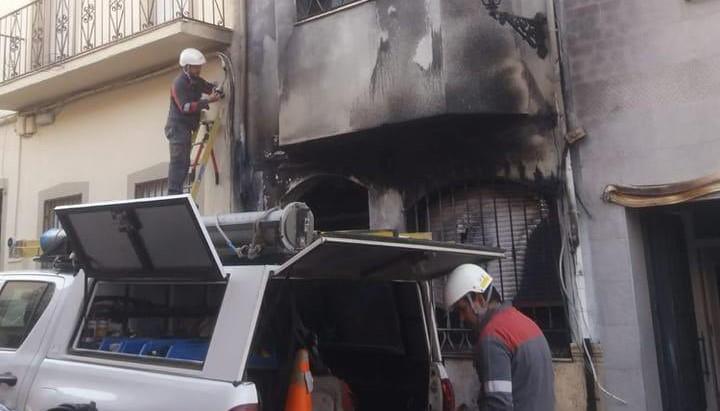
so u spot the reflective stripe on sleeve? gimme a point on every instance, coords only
(498, 386)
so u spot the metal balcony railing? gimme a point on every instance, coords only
(47, 32)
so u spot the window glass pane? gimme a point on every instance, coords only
(173, 322)
(21, 305)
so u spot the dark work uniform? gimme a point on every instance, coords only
(186, 103)
(514, 364)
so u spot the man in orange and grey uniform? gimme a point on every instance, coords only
(512, 357)
(186, 104)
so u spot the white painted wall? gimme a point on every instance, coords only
(647, 88)
(7, 6)
(101, 140)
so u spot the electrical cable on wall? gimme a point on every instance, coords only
(564, 105)
(229, 69)
(4, 144)
(224, 120)
(575, 302)
(230, 120)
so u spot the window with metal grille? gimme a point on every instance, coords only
(310, 8)
(520, 221)
(50, 220)
(155, 188)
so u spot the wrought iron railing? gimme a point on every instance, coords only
(47, 32)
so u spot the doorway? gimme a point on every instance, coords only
(706, 281)
(682, 249)
(672, 307)
(702, 225)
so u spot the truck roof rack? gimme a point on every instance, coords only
(257, 238)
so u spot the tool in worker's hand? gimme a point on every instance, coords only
(218, 89)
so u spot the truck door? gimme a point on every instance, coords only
(26, 305)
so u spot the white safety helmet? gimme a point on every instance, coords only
(192, 57)
(464, 279)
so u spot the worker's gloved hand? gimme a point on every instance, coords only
(217, 88)
(215, 96)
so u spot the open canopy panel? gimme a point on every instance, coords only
(368, 257)
(159, 238)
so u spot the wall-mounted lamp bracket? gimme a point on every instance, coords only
(532, 30)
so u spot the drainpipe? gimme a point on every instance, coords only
(4, 121)
(17, 189)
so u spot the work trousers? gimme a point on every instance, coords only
(180, 148)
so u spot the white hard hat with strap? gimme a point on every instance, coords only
(464, 279)
(192, 57)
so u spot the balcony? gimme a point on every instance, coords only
(354, 66)
(53, 48)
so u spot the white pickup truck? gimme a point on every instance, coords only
(152, 320)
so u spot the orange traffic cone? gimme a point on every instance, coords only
(301, 384)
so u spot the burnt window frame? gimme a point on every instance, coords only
(308, 14)
(456, 339)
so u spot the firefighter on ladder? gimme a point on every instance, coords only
(186, 104)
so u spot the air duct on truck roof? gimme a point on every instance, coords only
(272, 232)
